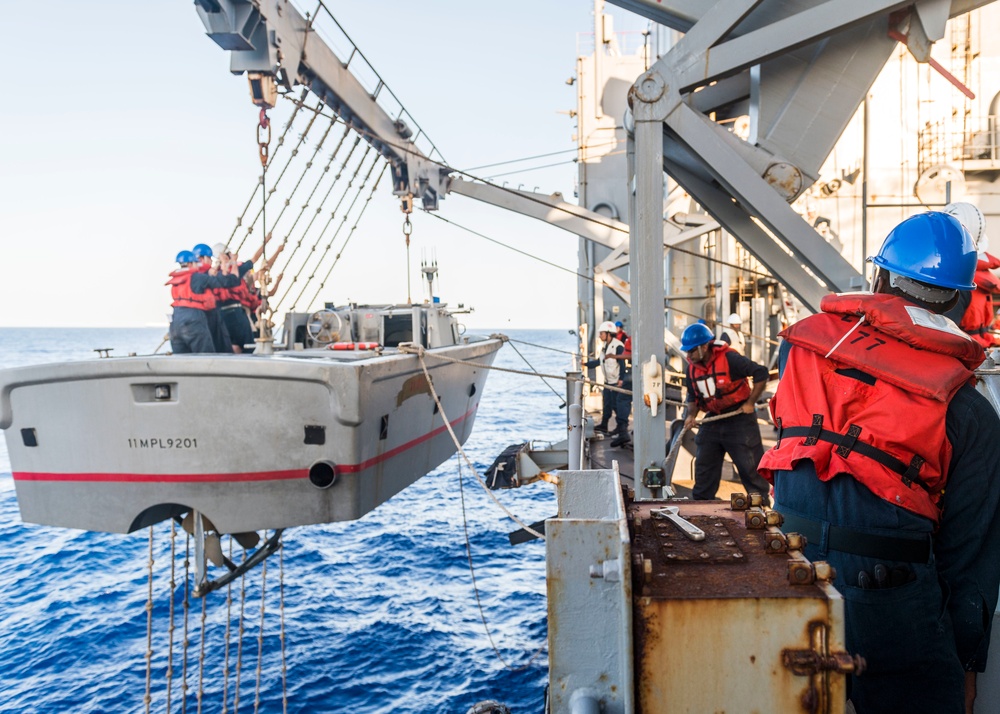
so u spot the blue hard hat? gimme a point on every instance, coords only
(202, 251)
(186, 256)
(933, 248)
(695, 335)
(618, 324)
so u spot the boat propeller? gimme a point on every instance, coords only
(208, 548)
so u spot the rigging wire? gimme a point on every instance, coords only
(184, 642)
(532, 367)
(260, 633)
(147, 699)
(201, 656)
(274, 187)
(541, 156)
(333, 214)
(475, 585)
(527, 196)
(336, 179)
(288, 199)
(229, 624)
(281, 140)
(350, 234)
(239, 638)
(319, 208)
(173, 598)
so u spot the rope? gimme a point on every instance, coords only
(184, 643)
(147, 699)
(475, 585)
(458, 445)
(170, 630)
(350, 234)
(340, 173)
(260, 634)
(239, 646)
(201, 656)
(281, 635)
(229, 623)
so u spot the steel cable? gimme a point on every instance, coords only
(336, 179)
(329, 221)
(350, 234)
(281, 140)
(309, 198)
(274, 186)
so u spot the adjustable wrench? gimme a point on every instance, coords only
(689, 529)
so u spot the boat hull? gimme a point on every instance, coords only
(251, 442)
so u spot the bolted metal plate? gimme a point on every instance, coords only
(732, 561)
(719, 547)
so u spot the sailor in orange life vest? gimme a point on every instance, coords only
(233, 303)
(191, 289)
(875, 414)
(974, 310)
(717, 383)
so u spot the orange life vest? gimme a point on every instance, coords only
(885, 427)
(714, 390)
(183, 295)
(978, 317)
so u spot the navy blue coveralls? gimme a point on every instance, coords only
(190, 328)
(931, 622)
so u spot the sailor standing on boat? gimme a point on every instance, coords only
(220, 335)
(718, 382)
(233, 303)
(876, 414)
(193, 300)
(612, 376)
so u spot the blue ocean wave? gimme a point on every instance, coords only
(380, 615)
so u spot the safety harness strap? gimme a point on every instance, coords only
(846, 443)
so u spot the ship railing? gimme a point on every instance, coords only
(974, 147)
(340, 43)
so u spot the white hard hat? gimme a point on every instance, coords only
(218, 249)
(972, 218)
(734, 319)
(608, 327)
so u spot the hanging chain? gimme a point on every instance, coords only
(260, 633)
(281, 635)
(229, 623)
(172, 627)
(147, 699)
(407, 208)
(264, 324)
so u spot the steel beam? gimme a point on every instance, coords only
(650, 100)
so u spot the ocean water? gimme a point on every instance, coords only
(380, 614)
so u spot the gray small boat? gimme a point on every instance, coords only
(334, 423)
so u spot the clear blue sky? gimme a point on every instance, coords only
(126, 139)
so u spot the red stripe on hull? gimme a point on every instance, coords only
(236, 477)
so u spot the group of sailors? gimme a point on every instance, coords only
(887, 458)
(214, 298)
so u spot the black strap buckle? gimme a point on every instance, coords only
(777, 424)
(815, 432)
(848, 440)
(912, 472)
